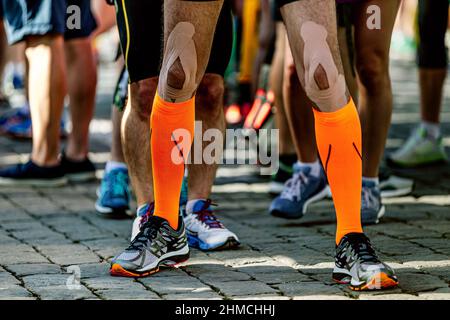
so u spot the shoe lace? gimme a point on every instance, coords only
(206, 216)
(363, 249)
(148, 213)
(149, 231)
(294, 186)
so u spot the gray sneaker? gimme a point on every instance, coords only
(156, 244)
(371, 207)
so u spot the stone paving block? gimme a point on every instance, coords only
(15, 253)
(69, 254)
(262, 297)
(207, 295)
(127, 294)
(416, 282)
(439, 294)
(298, 289)
(94, 270)
(213, 273)
(175, 285)
(27, 269)
(75, 228)
(106, 282)
(15, 293)
(272, 274)
(395, 296)
(243, 288)
(63, 293)
(7, 280)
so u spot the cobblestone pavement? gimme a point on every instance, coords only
(50, 236)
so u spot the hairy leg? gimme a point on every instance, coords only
(116, 144)
(136, 137)
(47, 89)
(82, 82)
(208, 110)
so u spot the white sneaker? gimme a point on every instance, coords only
(205, 231)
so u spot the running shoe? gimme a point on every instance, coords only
(299, 192)
(14, 116)
(205, 231)
(114, 194)
(419, 150)
(357, 264)
(278, 179)
(78, 171)
(394, 186)
(144, 212)
(157, 244)
(372, 208)
(32, 175)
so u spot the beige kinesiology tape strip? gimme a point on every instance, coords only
(317, 52)
(180, 44)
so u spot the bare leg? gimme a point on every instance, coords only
(47, 89)
(82, 80)
(431, 91)
(286, 146)
(208, 110)
(372, 63)
(136, 137)
(116, 145)
(299, 112)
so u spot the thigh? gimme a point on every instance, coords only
(374, 41)
(140, 26)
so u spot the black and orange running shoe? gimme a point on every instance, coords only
(157, 244)
(357, 264)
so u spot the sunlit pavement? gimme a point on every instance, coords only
(50, 238)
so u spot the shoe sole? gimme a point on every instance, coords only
(396, 192)
(379, 281)
(81, 177)
(393, 164)
(117, 270)
(230, 243)
(118, 213)
(42, 183)
(275, 188)
(321, 195)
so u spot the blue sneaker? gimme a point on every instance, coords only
(372, 208)
(114, 194)
(205, 231)
(298, 193)
(32, 175)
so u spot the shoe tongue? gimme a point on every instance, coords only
(198, 206)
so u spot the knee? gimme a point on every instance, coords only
(142, 94)
(210, 95)
(373, 72)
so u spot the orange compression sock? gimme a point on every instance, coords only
(169, 152)
(338, 136)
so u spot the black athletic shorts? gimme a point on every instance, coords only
(433, 19)
(40, 17)
(140, 24)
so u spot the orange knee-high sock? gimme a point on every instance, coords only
(167, 155)
(338, 136)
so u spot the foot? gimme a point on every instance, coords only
(372, 208)
(32, 175)
(394, 186)
(78, 171)
(114, 194)
(278, 180)
(205, 231)
(419, 150)
(142, 215)
(157, 244)
(298, 193)
(357, 264)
